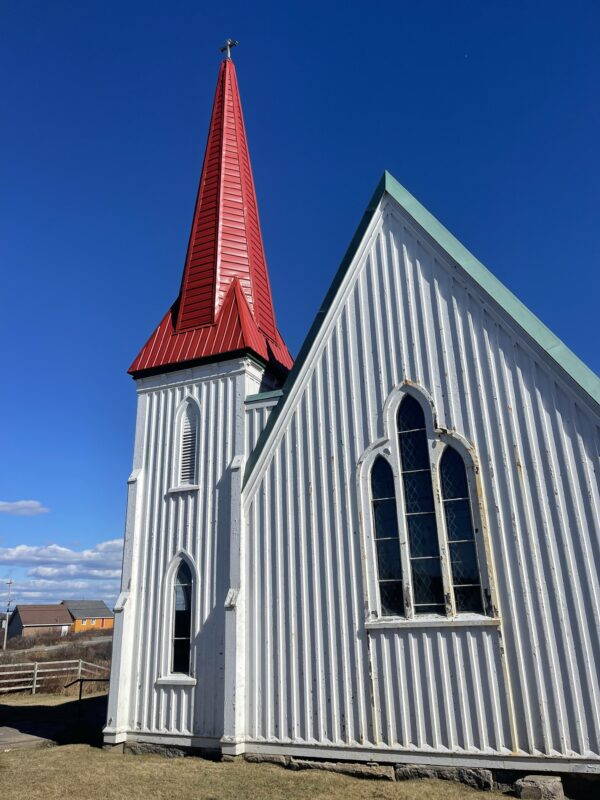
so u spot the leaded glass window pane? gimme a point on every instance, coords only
(418, 493)
(423, 535)
(428, 588)
(459, 524)
(410, 415)
(414, 450)
(454, 475)
(463, 558)
(468, 599)
(464, 566)
(392, 598)
(387, 542)
(385, 518)
(388, 559)
(382, 480)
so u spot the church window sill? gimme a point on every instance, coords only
(186, 488)
(176, 680)
(430, 622)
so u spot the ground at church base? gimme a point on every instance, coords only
(87, 773)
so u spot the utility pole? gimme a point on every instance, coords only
(9, 583)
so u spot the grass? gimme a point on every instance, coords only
(83, 772)
(40, 641)
(88, 773)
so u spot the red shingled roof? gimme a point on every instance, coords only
(224, 304)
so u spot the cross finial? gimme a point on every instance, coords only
(229, 43)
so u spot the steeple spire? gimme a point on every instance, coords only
(225, 268)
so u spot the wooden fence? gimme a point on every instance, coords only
(31, 675)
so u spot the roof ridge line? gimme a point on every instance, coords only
(529, 322)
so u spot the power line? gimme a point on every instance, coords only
(9, 583)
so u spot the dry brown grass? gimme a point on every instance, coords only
(73, 650)
(85, 773)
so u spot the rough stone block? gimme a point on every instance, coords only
(118, 749)
(266, 758)
(540, 787)
(477, 778)
(373, 771)
(146, 748)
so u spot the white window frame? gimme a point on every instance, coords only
(167, 677)
(388, 447)
(84, 621)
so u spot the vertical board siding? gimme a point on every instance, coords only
(256, 419)
(196, 522)
(316, 675)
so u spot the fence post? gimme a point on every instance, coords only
(35, 670)
(79, 669)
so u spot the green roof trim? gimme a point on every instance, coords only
(271, 395)
(526, 319)
(579, 372)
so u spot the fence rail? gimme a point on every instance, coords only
(32, 674)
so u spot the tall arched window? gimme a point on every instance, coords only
(182, 620)
(424, 526)
(464, 566)
(188, 459)
(419, 508)
(387, 542)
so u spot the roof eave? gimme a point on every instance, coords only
(278, 369)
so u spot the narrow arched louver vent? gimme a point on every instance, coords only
(189, 437)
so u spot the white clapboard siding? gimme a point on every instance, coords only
(174, 520)
(314, 674)
(257, 414)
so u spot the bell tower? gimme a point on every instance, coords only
(176, 624)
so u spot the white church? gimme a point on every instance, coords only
(386, 551)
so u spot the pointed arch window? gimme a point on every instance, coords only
(181, 644)
(424, 518)
(387, 541)
(188, 457)
(466, 580)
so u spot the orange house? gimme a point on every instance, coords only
(89, 615)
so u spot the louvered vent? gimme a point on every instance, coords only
(189, 436)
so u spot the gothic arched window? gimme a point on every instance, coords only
(182, 620)
(188, 456)
(466, 581)
(419, 510)
(424, 546)
(385, 523)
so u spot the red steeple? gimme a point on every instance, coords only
(225, 302)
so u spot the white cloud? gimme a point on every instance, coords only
(23, 508)
(101, 556)
(72, 570)
(58, 573)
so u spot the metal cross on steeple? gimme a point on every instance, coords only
(229, 43)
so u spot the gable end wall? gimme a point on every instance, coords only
(316, 676)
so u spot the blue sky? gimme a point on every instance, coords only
(487, 112)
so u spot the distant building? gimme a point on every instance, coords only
(88, 615)
(39, 620)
